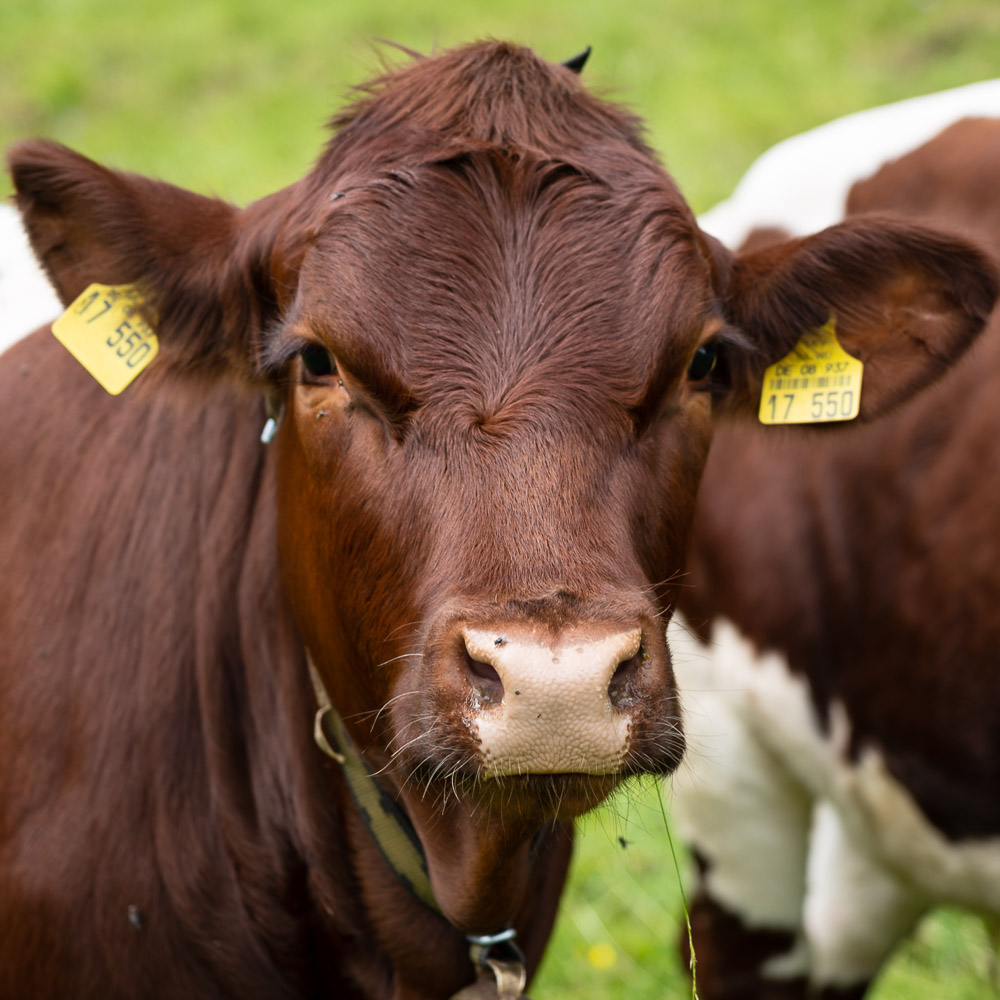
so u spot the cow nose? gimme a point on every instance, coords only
(552, 705)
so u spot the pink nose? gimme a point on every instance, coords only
(549, 704)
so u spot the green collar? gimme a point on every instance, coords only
(390, 827)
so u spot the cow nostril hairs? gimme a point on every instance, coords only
(484, 678)
(621, 689)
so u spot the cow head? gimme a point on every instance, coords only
(500, 341)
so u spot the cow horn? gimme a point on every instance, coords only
(577, 63)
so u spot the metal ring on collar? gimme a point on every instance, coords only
(486, 940)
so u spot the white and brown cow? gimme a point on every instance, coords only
(843, 641)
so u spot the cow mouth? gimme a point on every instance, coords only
(535, 798)
(445, 763)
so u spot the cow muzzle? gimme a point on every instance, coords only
(545, 703)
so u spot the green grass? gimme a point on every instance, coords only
(621, 921)
(951, 955)
(231, 96)
(618, 931)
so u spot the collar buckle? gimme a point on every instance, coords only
(498, 956)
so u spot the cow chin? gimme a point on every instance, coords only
(481, 833)
(556, 797)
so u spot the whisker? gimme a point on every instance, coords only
(399, 628)
(378, 712)
(396, 753)
(402, 656)
(404, 694)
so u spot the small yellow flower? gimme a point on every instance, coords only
(601, 955)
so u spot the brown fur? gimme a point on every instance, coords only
(513, 291)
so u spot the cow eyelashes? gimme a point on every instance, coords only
(703, 363)
(318, 361)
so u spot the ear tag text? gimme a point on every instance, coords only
(817, 382)
(105, 332)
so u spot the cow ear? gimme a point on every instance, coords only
(906, 300)
(202, 265)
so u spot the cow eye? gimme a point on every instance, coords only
(703, 362)
(318, 361)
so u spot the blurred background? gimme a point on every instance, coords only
(230, 97)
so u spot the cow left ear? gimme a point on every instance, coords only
(202, 265)
(907, 300)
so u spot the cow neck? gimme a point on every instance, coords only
(495, 956)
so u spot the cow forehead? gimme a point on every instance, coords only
(499, 260)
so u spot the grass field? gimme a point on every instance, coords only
(231, 96)
(622, 918)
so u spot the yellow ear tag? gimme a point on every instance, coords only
(103, 330)
(816, 383)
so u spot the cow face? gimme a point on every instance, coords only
(500, 340)
(497, 414)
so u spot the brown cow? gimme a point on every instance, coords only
(499, 339)
(848, 764)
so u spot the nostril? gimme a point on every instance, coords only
(622, 689)
(485, 679)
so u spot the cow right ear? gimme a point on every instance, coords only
(907, 300)
(203, 266)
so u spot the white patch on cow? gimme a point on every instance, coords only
(856, 909)
(874, 804)
(27, 300)
(760, 762)
(801, 185)
(735, 801)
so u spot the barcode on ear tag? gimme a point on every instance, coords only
(817, 382)
(105, 332)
